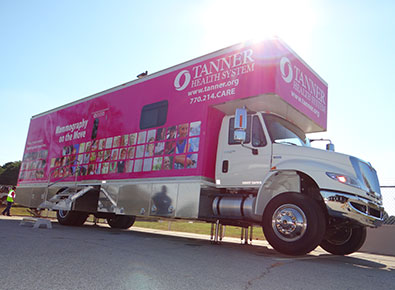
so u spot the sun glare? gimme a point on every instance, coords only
(228, 22)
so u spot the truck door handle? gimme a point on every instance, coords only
(225, 166)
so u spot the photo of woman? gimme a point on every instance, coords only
(171, 132)
(124, 140)
(161, 134)
(149, 151)
(114, 154)
(195, 129)
(98, 168)
(170, 147)
(88, 146)
(107, 155)
(192, 161)
(151, 135)
(99, 157)
(142, 137)
(109, 143)
(105, 168)
(113, 167)
(123, 154)
(82, 148)
(129, 165)
(95, 145)
(131, 152)
(92, 157)
(132, 139)
(117, 142)
(102, 144)
(159, 148)
(91, 169)
(167, 162)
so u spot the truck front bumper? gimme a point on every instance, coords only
(353, 207)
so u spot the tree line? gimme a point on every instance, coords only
(9, 173)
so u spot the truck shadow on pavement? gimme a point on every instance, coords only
(316, 256)
(359, 260)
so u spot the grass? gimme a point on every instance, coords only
(196, 227)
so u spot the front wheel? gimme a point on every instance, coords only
(293, 223)
(344, 241)
(121, 221)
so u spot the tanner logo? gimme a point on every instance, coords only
(306, 88)
(229, 66)
(286, 69)
(184, 76)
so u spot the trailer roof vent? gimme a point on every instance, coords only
(143, 74)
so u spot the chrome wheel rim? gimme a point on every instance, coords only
(63, 213)
(289, 222)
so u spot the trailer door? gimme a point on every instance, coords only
(243, 165)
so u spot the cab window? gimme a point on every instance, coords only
(258, 136)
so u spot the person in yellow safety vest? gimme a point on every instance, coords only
(10, 201)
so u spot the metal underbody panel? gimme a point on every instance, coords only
(170, 197)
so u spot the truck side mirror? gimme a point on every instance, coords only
(330, 147)
(240, 124)
(239, 135)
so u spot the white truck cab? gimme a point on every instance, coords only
(302, 195)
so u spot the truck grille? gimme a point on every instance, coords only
(367, 209)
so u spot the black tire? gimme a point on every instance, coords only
(71, 218)
(293, 223)
(121, 221)
(344, 241)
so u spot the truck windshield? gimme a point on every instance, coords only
(283, 132)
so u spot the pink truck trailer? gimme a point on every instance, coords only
(221, 139)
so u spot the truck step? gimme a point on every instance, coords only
(36, 222)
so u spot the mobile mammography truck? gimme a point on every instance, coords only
(221, 139)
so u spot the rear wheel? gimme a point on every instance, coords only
(71, 218)
(344, 241)
(293, 223)
(121, 221)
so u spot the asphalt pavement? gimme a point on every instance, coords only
(98, 257)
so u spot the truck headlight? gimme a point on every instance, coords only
(344, 179)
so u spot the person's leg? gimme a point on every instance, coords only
(7, 209)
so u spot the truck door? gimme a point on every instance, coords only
(243, 165)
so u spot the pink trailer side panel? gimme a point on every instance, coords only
(101, 137)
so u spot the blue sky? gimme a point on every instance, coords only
(55, 52)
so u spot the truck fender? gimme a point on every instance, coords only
(275, 183)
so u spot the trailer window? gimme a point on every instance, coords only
(258, 136)
(231, 140)
(153, 115)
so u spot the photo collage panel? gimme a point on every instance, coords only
(33, 165)
(168, 148)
